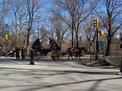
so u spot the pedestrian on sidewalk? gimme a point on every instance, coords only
(23, 52)
(17, 51)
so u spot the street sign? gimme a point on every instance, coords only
(101, 46)
(101, 33)
(6, 36)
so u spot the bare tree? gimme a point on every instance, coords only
(33, 7)
(3, 23)
(76, 12)
(18, 17)
(111, 19)
(3, 10)
(90, 34)
(59, 28)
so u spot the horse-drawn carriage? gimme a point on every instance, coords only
(39, 51)
(55, 51)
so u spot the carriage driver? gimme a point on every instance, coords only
(37, 45)
(53, 45)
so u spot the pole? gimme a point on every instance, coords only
(38, 33)
(6, 47)
(121, 66)
(97, 45)
(31, 56)
(120, 73)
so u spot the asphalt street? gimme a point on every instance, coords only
(18, 75)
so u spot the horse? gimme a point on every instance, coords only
(74, 51)
(84, 49)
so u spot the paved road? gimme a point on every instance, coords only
(56, 76)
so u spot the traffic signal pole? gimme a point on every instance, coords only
(96, 24)
(120, 73)
(121, 66)
(97, 45)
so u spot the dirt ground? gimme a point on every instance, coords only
(100, 63)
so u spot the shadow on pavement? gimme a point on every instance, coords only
(40, 87)
(58, 72)
(40, 74)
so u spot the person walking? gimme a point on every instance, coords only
(17, 50)
(23, 52)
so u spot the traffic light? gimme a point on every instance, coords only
(96, 23)
(101, 33)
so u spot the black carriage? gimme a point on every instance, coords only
(39, 51)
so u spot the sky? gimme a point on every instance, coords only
(45, 14)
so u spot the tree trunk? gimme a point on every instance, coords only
(28, 35)
(27, 45)
(89, 47)
(77, 43)
(72, 37)
(108, 46)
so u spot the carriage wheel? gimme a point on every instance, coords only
(55, 55)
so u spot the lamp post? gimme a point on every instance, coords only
(96, 24)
